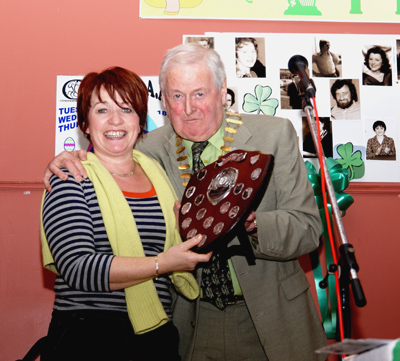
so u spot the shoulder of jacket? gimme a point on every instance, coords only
(250, 120)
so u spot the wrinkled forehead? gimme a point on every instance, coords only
(189, 76)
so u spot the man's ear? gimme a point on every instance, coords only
(163, 99)
(223, 92)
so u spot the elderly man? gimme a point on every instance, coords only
(270, 314)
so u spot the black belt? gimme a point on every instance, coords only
(234, 300)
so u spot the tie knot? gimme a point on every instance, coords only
(198, 147)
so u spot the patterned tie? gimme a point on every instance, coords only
(197, 149)
(216, 281)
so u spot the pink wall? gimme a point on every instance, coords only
(42, 39)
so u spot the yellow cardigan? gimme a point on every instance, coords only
(144, 307)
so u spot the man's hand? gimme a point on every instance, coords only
(69, 160)
(177, 207)
(251, 224)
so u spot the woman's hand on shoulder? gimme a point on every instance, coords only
(180, 257)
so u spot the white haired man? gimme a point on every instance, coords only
(271, 314)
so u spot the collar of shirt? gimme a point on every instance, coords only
(213, 149)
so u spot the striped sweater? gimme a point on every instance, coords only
(77, 238)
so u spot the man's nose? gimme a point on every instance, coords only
(189, 106)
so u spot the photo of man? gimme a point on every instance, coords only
(290, 90)
(326, 63)
(204, 41)
(345, 104)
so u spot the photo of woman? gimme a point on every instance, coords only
(376, 68)
(230, 101)
(309, 150)
(248, 64)
(380, 147)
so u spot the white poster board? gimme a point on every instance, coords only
(274, 52)
(375, 102)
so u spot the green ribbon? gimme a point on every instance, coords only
(340, 180)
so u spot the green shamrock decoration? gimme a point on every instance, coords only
(351, 161)
(260, 102)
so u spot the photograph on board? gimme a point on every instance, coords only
(376, 68)
(250, 57)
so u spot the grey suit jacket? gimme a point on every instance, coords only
(275, 289)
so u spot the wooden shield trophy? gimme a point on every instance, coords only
(221, 195)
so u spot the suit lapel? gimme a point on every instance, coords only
(174, 173)
(242, 137)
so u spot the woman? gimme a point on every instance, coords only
(377, 69)
(380, 146)
(247, 63)
(112, 238)
(309, 150)
(230, 100)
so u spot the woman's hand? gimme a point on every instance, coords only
(69, 160)
(129, 271)
(180, 257)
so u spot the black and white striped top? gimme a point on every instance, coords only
(82, 253)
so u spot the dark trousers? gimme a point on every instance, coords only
(103, 335)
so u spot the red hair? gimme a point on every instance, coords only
(129, 86)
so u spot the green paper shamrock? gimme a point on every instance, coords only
(351, 161)
(260, 102)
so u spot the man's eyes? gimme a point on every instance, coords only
(180, 96)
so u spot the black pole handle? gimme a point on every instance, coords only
(350, 265)
(358, 293)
